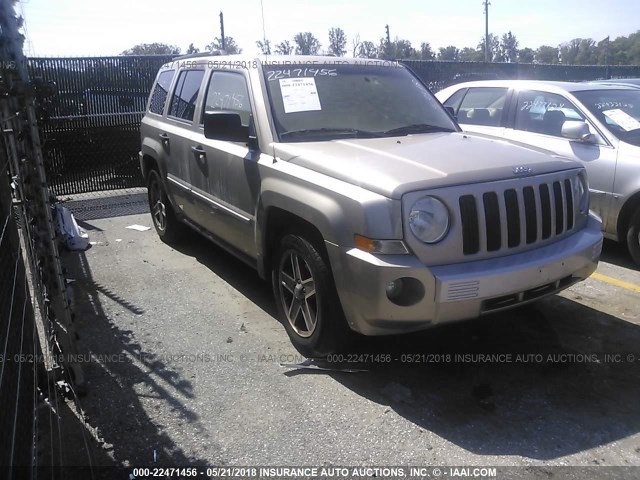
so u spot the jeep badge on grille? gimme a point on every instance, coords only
(522, 170)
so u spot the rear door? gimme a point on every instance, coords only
(178, 135)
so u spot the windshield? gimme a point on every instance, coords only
(619, 110)
(312, 102)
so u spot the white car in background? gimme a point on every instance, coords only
(596, 124)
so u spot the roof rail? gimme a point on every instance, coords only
(214, 53)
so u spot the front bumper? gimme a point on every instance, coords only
(459, 291)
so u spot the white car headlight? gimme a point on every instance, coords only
(429, 219)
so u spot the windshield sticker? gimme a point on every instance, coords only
(299, 95)
(301, 72)
(626, 121)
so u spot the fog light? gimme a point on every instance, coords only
(394, 289)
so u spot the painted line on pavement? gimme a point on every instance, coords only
(618, 283)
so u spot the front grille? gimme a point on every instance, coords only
(508, 219)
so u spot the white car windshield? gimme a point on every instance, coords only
(619, 110)
(313, 102)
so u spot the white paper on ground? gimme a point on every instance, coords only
(139, 228)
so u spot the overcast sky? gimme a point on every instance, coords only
(107, 27)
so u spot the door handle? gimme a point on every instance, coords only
(198, 151)
(164, 138)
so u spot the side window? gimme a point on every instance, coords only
(161, 92)
(454, 100)
(183, 103)
(545, 113)
(228, 92)
(483, 106)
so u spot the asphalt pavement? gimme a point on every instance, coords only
(185, 369)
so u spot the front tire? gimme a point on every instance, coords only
(633, 237)
(167, 226)
(306, 299)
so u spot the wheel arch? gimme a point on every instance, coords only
(279, 221)
(626, 212)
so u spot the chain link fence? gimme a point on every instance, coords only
(39, 375)
(90, 126)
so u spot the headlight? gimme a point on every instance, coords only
(581, 192)
(429, 219)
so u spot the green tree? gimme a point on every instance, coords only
(284, 48)
(468, 54)
(337, 42)
(368, 49)
(306, 44)
(508, 48)
(152, 49)
(569, 51)
(230, 45)
(355, 45)
(494, 47)
(264, 46)
(449, 53)
(587, 52)
(426, 52)
(547, 54)
(396, 50)
(192, 49)
(526, 55)
(633, 54)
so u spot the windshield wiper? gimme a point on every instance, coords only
(350, 132)
(417, 128)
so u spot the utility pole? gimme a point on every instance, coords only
(486, 30)
(388, 41)
(606, 58)
(222, 31)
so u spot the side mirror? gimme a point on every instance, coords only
(576, 130)
(225, 126)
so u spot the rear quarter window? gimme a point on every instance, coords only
(161, 92)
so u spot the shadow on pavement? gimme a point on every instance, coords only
(121, 376)
(567, 387)
(236, 273)
(541, 382)
(617, 254)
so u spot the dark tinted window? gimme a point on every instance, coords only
(183, 103)
(483, 106)
(160, 92)
(228, 92)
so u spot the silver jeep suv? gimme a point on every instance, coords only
(347, 184)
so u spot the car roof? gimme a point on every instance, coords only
(548, 84)
(239, 60)
(634, 82)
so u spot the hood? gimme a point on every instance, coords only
(393, 166)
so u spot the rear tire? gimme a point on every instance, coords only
(633, 237)
(306, 299)
(164, 218)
